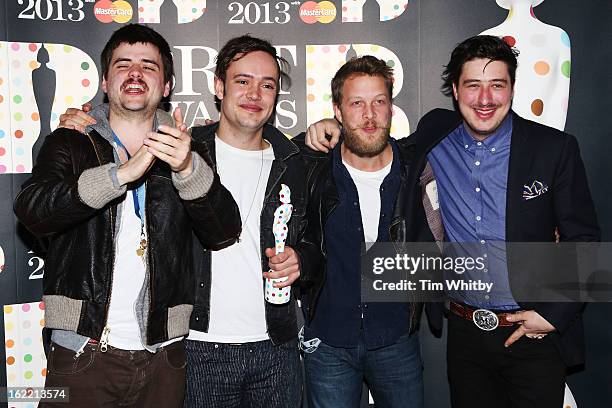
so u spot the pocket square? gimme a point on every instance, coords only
(536, 189)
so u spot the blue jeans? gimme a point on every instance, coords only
(394, 375)
(249, 375)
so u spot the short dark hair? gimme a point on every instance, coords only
(480, 46)
(364, 65)
(138, 33)
(238, 47)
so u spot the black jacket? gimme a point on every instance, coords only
(287, 168)
(537, 152)
(408, 223)
(80, 262)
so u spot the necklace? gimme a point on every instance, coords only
(256, 188)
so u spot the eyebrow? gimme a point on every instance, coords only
(145, 60)
(266, 78)
(470, 81)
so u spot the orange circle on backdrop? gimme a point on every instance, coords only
(10, 360)
(537, 107)
(311, 97)
(18, 134)
(541, 68)
(10, 343)
(43, 372)
(35, 116)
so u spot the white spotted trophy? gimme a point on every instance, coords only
(282, 214)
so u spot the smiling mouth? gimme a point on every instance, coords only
(251, 107)
(485, 112)
(134, 88)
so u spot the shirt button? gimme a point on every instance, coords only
(466, 146)
(485, 255)
(355, 203)
(358, 228)
(382, 215)
(197, 319)
(485, 270)
(382, 189)
(201, 284)
(478, 189)
(477, 163)
(479, 143)
(487, 297)
(482, 241)
(493, 149)
(478, 218)
(365, 306)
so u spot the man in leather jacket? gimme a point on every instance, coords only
(242, 350)
(366, 190)
(118, 206)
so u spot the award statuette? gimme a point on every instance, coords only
(278, 296)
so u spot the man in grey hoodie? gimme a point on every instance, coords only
(118, 206)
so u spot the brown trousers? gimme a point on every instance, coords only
(118, 378)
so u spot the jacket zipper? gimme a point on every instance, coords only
(103, 344)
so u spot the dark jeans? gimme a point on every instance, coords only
(394, 375)
(249, 375)
(118, 378)
(483, 373)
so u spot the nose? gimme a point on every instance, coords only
(135, 71)
(484, 96)
(254, 92)
(368, 111)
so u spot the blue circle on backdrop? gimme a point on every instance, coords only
(27, 341)
(565, 39)
(19, 151)
(1, 133)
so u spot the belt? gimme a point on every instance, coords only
(484, 319)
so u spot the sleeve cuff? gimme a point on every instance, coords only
(198, 183)
(99, 185)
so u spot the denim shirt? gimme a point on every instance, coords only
(342, 318)
(471, 178)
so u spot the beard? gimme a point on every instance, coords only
(366, 146)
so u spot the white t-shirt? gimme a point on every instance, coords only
(128, 278)
(368, 188)
(237, 310)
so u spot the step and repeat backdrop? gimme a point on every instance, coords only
(49, 61)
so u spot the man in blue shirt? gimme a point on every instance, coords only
(503, 351)
(357, 196)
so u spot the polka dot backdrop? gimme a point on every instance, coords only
(186, 10)
(319, 76)
(76, 83)
(25, 358)
(352, 10)
(543, 74)
(6, 162)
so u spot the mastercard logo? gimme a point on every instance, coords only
(323, 12)
(107, 11)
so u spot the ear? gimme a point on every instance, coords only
(338, 113)
(104, 85)
(167, 88)
(455, 90)
(219, 88)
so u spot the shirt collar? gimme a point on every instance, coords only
(498, 140)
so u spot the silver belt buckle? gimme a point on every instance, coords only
(485, 319)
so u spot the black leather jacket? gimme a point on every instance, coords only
(287, 168)
(408, 223)
(80, 262)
